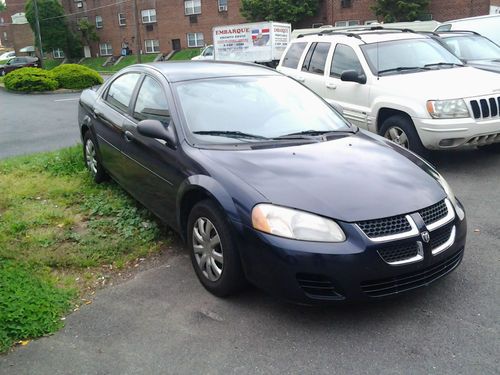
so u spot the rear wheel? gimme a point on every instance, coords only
(400, 130)
(214, 255)
(92, 160)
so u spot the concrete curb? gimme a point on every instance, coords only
(58, 91)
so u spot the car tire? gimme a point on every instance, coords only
(400, 130)
(213, 252)
(92, 159)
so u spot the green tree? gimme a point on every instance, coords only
(88, 33)
(290, 11)
(2, 6)
(400, 10)
(54, 29)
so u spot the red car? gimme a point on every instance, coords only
(19, 62)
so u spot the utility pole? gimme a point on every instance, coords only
(137, 33)
(35, 4)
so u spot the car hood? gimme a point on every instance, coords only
(353, 178)
(491, 65)
(442, 84)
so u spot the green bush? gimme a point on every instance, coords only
(30, 79)
(74, 76)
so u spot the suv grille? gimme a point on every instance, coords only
(440, 236)
(402, 283)
(484, 108)
(318, 287)
(434, 213)
(399, 253)
(385, 227)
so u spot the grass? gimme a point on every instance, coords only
(186, 54)
(3, 62)
(50, 64)
(96, 62)
(57, 230)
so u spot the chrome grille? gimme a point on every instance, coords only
(385, 227)
(399, 253)
(485, 108)
(433, 213)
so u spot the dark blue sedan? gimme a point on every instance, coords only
(267, 183)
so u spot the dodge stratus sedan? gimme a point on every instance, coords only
(269, 184)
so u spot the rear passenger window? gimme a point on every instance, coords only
(293, 55)
(121, 90)
(151, 102)
(317, 59)
(344, 58)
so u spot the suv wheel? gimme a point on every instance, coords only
(91, 158)
(400, 130)
(213, 253)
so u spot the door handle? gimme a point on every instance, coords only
(300, 79)
(129, 137)
(97, 113)
(331, 86)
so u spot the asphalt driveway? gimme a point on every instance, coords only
(163, 321)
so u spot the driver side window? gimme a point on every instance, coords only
(344, 58)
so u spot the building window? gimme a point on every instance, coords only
(122, 21)
(5, 36)
(195, 40)
(346, 23)
(222, 5)
(98, 22)
(58, 53)
(105, 49)
(192, 7)
(152, 45)
(148, 15)
(2, 21)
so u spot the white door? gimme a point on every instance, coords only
(291, 63)
(352, 96)
(314, 67)
(86, 51)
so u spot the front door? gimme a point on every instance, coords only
(176, 44)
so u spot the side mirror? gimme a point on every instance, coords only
(353, 76)
(155, 129)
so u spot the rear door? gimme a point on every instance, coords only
(291, 62)
(110, 113)
(151, 168)
(352, 96)
(314, 67)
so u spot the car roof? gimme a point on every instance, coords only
(471, 18)
(365, 36)
(176, 71)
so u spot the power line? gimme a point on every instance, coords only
(85, 11)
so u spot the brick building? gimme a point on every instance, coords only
(163, 25)
(15, 32)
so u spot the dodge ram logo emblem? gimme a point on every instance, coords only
(426, 237)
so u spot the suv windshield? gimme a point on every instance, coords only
(407, 56)
(254, 109)
(472, 47)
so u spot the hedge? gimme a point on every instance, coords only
(30, 79)
(74, 76)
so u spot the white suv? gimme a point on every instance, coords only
(399, 84)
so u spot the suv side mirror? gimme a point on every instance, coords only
(155, 129)
(353, 76)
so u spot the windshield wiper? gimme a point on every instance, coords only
(442, 64)
(312, 134)
(403, 68)
(229, 134)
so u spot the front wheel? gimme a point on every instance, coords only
(214, 255)
(400, 130)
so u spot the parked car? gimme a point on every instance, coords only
(7, 55)
(399, 84)
(206, 54)
(487, 26)
(472, 48)
(268, 183)
(19, 62)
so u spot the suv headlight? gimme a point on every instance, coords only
(295, 224)
(454, 108)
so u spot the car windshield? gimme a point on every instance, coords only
(408, 56)
(254, 109)
(472, 47)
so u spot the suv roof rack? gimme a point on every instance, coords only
(456, 31)
(356, 32)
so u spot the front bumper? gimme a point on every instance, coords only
(438, 134)
(313, 272)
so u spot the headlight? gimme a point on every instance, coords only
(451, 196)
(455, 108)
(298, 225)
